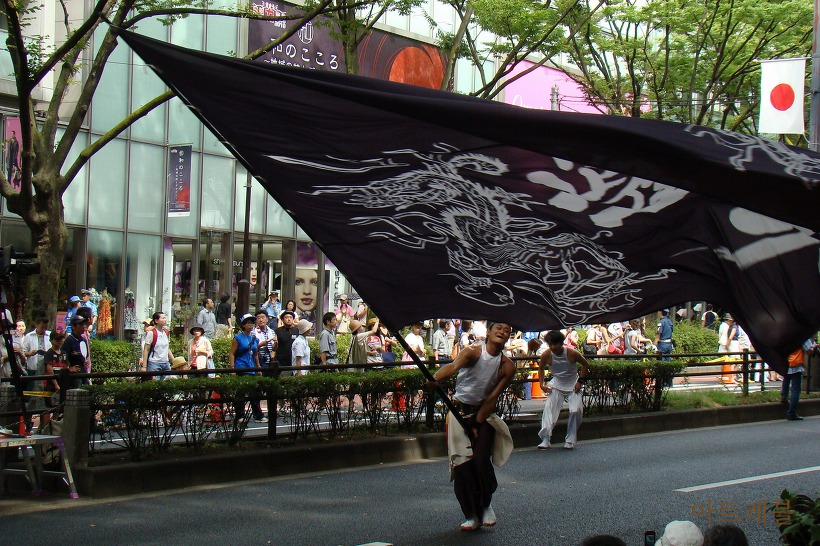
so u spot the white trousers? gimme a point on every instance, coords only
(552, 407)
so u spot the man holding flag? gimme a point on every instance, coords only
(483, 374)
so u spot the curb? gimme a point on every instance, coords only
(132, 478)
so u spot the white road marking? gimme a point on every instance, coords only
(749, 479)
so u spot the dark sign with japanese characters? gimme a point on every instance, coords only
(311, 47)
(179, 180)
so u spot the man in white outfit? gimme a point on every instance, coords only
(565, 386)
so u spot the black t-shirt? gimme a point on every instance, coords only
(223, 311)
(57, 361)
(285, 337)
(75, 351)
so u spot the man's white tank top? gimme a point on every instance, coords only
(564, 373)
(475, 383)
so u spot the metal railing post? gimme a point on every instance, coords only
(745, 371)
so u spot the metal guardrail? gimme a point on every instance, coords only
(745, 360)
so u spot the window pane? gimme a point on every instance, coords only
(110, 103)
(146, 187)
(217, 192)
(6, 67)
(464, 76)
(74, 198)
(418, 20)
(222, 35)
(258, 194)
(212, 144)
(17, 234)
(188, 32)
(395, 19)
(186, 225)
(106, 205)
(279, 222)
(141, 278)
(103, 276)
(146, 86)
(183, 126)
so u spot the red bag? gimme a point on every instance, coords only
(614, 350)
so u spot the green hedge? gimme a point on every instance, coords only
(113, 356)
(146, 415)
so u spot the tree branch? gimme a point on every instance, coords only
(75, 39)
(72, 129)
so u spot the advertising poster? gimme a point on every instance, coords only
(179, 180)
(534, 90)
(11, 152)
(381, 55)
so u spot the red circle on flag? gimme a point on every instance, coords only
(782, 96)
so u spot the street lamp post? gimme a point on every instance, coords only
(244, 285)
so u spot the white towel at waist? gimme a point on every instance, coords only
(460, 450)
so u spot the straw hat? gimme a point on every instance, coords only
(178, 362)
(354, 326)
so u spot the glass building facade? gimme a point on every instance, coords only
(127, 243)
(122, 241)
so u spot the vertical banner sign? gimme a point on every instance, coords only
(179, 180)
(781, 96)
(11, 152)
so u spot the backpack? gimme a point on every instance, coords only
(154, 340)
(796, 358)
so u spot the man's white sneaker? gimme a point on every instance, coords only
(569, 445)
(488, 519)
(545, 444)
(470, 525)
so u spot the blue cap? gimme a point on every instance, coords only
(72, 299)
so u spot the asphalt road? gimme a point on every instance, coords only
(622, 486)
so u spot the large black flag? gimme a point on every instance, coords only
(437, 204)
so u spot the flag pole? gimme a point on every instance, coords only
(444, 398)
(814, 98)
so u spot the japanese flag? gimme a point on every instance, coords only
(781, 96)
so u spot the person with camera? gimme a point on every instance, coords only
(35, 344)
(272, 305)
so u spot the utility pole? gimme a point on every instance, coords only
(244, 285)
(554, 96)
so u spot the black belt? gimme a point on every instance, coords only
(467, 409)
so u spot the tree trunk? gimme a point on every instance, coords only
(49, 241)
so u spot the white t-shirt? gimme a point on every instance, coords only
(33, 342)
(415, 342)
(723, 334)
(301, 348)
(160, 353)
